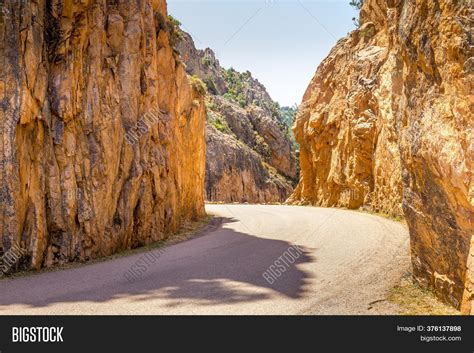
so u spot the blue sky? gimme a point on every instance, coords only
(280, 42)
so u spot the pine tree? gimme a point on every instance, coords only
(357, 4)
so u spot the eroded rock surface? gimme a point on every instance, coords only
(250, 156)
(102, 133)
(347, 129)
(386, 125)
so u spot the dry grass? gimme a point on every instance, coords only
(415, 300)
(190, 229)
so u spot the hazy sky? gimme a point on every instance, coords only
(280, 42)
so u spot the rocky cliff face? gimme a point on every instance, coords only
(250, 157)
(102, 134)
(347, 129)
(386, 125)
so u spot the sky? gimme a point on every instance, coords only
(280, 42)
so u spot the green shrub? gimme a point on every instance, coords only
(210, 105)
(367, 32)
(206, 61)
(174, 21)
(176, 34)
(211, 85)
(217, 122)
(235, 86)
(219, 125)
(198, 85)
(357, 3)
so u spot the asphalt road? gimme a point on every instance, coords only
(262, 260)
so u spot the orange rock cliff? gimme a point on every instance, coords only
(386, 125)
(103, 144)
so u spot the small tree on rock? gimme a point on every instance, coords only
(358, 5)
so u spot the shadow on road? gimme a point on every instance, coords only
(206, 270)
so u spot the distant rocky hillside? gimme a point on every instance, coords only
(386, 124)
(250, 154)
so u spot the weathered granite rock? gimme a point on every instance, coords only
(386, 124)
(102, 134)
(347, 130)
(437, 144)
(235, 172)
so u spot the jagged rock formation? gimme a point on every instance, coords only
(102, 133)
(347, 129)
(250, 156)
(386, 124)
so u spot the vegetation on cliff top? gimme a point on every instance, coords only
(216, 120)
(198, 85)
(358, 5)
(235, 86)
(288, 115)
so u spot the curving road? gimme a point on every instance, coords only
(262, 260)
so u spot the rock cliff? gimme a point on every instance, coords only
(250, 156)
(102, 132)
(386, 125)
